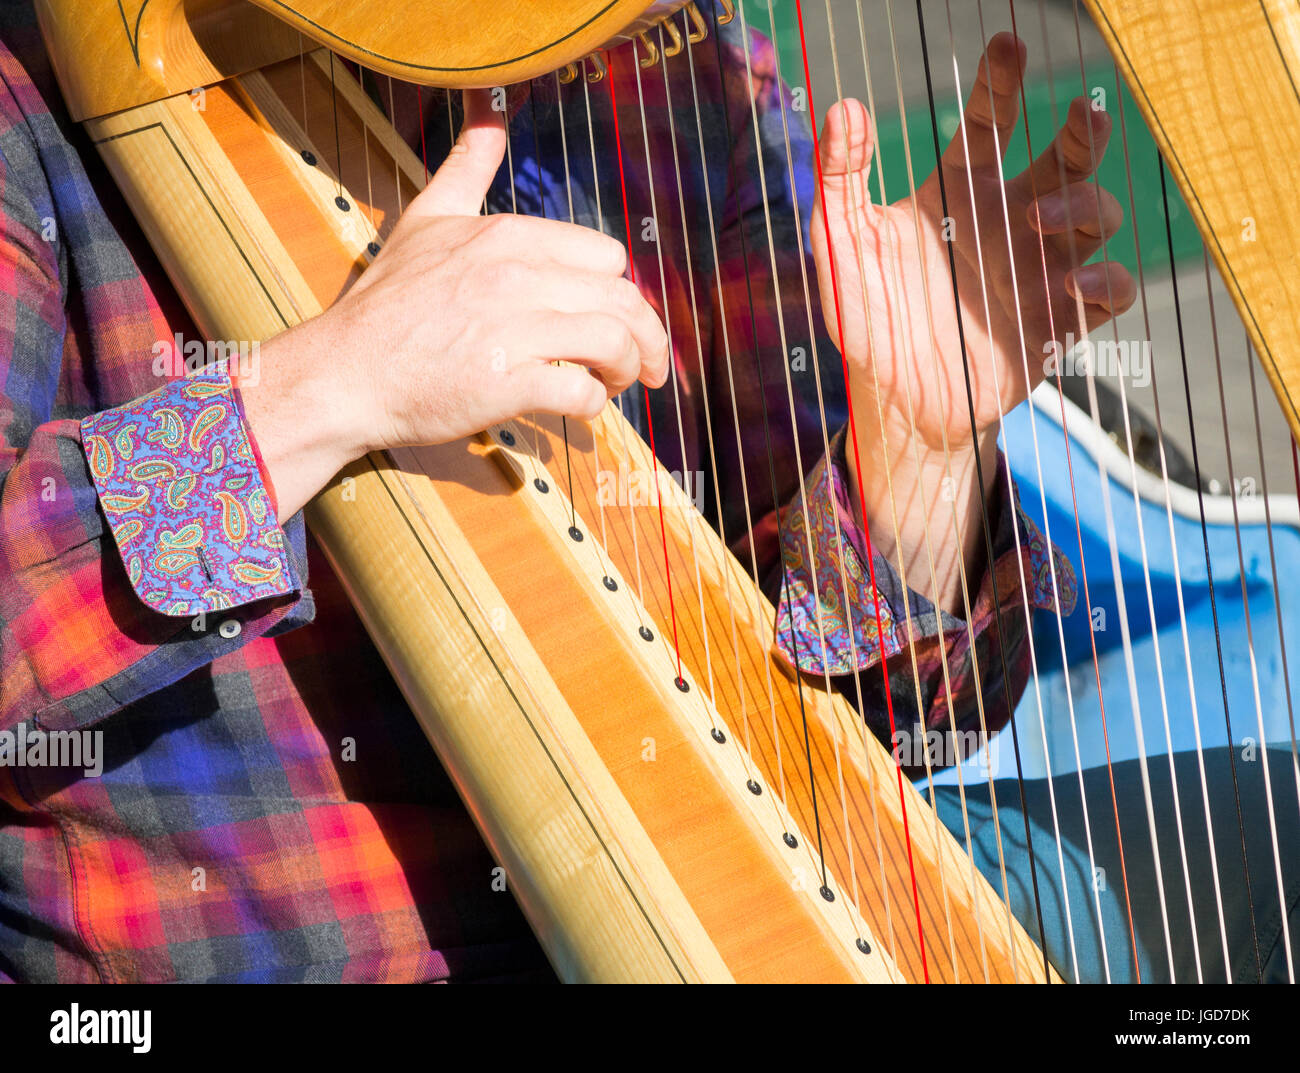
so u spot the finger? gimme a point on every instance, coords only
(992, 107)
(1073, 155)
(1107, 289)
(459, 186)
(846, 141)
(583, 292)
(537, 241)
(603, 344)
(568, 390)
(1077, 221)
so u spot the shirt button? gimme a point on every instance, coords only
(230, 628)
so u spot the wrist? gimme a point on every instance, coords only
(921, 504)
(304, 426)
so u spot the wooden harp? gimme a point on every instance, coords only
(669, 800)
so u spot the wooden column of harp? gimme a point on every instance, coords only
(628, 830)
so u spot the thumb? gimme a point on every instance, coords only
(846, 141)
(459, 186)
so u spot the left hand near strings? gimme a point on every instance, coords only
(1018, 244)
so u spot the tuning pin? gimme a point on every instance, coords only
(675, 42)
(568, 73)
(651, 56)
(599, 70)
(729, 12)
(701, 28)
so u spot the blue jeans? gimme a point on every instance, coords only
(1099, 884)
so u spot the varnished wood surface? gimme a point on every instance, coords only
(1218, 83)
(115, 54)
(465, 43)
(542, 712)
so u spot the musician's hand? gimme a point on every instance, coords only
(900, 323)
(454, 326)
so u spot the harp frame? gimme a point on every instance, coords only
(608, 896)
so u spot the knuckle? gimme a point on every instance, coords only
(623, 293)
(499, 227)
(613, 255)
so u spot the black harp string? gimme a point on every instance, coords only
(1209, 570)
(767, 436)
(724, 329)
(1016, 531)
(1094, 158)
(708, 426)
(984, 508)
(1245, 602)
(850, 844)
(339, 200)
(839, 541)
(1105, 481)
(1083, 566)
(1173, 543)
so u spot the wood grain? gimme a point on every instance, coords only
(1217, 84)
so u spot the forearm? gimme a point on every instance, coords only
(924, 506)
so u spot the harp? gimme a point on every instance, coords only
(671, 801)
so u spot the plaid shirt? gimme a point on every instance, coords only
(264, 805)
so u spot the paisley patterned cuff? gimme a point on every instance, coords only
(851, 639)
(179, 484)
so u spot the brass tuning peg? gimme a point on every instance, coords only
(700, 28)
(675, 42)
(567, 73)
(599, 70)
(729, 12)
(651, 56)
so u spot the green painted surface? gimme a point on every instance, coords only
(1114, 174)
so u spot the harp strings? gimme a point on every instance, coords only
(993, 371)
(1245, 602)
(880, 633)
(797, 214)
(742, 467)
(714, 424)
(850, 842)
(1272, 559)
(838, 537)
(1033, 172)
(1177, 571)
(920, 492)
(708, 420)
(1146, 569)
